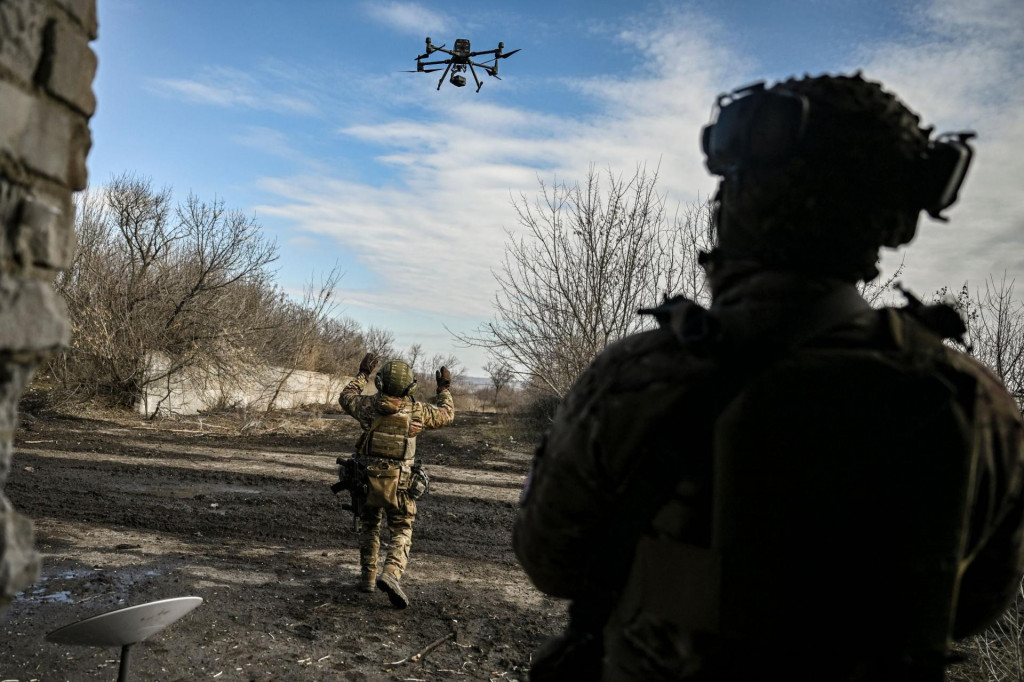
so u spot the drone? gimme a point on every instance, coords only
(461, 59)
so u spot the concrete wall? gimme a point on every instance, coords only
(46, 99)
(194, 390)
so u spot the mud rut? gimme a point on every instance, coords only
(127, 513)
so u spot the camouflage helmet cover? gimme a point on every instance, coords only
(395, 378)
(846, 190)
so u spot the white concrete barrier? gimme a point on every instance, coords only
(195, 390)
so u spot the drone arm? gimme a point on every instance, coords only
(443, 76)
(491, 69)
(478, 83)
(441, 61)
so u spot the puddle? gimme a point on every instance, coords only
(61, 597)
(69, 586)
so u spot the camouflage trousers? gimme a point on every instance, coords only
(399, 522)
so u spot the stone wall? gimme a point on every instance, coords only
(46, 99)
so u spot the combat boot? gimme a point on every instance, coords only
(367, 580)
(388, 583)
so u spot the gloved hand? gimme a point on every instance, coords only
(443, 378)
(368, 364)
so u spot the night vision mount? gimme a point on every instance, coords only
(755, 128)
(461, 59)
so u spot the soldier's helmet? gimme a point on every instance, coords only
(820, 172)
(395, 378)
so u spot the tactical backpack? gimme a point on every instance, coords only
(833, 536)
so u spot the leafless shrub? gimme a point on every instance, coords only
(156, 289)
(423, 368)
(501, 375)
(589, 256)
(995, 329)
(879, 293)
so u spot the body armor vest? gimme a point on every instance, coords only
(389, 438)
(842, 506)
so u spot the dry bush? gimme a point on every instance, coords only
(501, 375)
(423, 368)
(150, 279)
(157, 288)
(995, 329)
(884, 292)
(588, 257)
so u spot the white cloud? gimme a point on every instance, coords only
(408, 17)
(435, 234)
(280, 144)
(227, 87)
(964, 69)
(304, 241)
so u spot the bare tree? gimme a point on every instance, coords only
(501, 376)
(149, 292)
(996, 334)
(379, 341)
(414, 355)
(691, 234)
(167, 297)
(589, 257)
(883, 292)
(305, 336)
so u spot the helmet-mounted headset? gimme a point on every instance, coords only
(756, 128)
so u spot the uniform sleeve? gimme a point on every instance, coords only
(996, 542)
(355, 403)
(557, 530)
(439, 411)
(589, 495)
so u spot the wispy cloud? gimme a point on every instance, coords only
(280, 144)
(407, 17)
(435, 234)
(964, 68)
(228, 87)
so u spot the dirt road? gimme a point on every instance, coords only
(127, 513)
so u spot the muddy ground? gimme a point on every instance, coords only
(239, 512)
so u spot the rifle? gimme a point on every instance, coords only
(352, 477)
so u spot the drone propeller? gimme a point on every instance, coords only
(508, 54)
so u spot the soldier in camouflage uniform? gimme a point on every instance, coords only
(788, 484)
(391, 420)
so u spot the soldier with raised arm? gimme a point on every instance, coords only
(386, 455)
(788, 484)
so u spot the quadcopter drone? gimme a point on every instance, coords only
(461, 59)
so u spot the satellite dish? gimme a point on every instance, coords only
(125, 627)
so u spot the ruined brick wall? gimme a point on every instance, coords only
(46, 99)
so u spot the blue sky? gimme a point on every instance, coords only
(298, 112)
